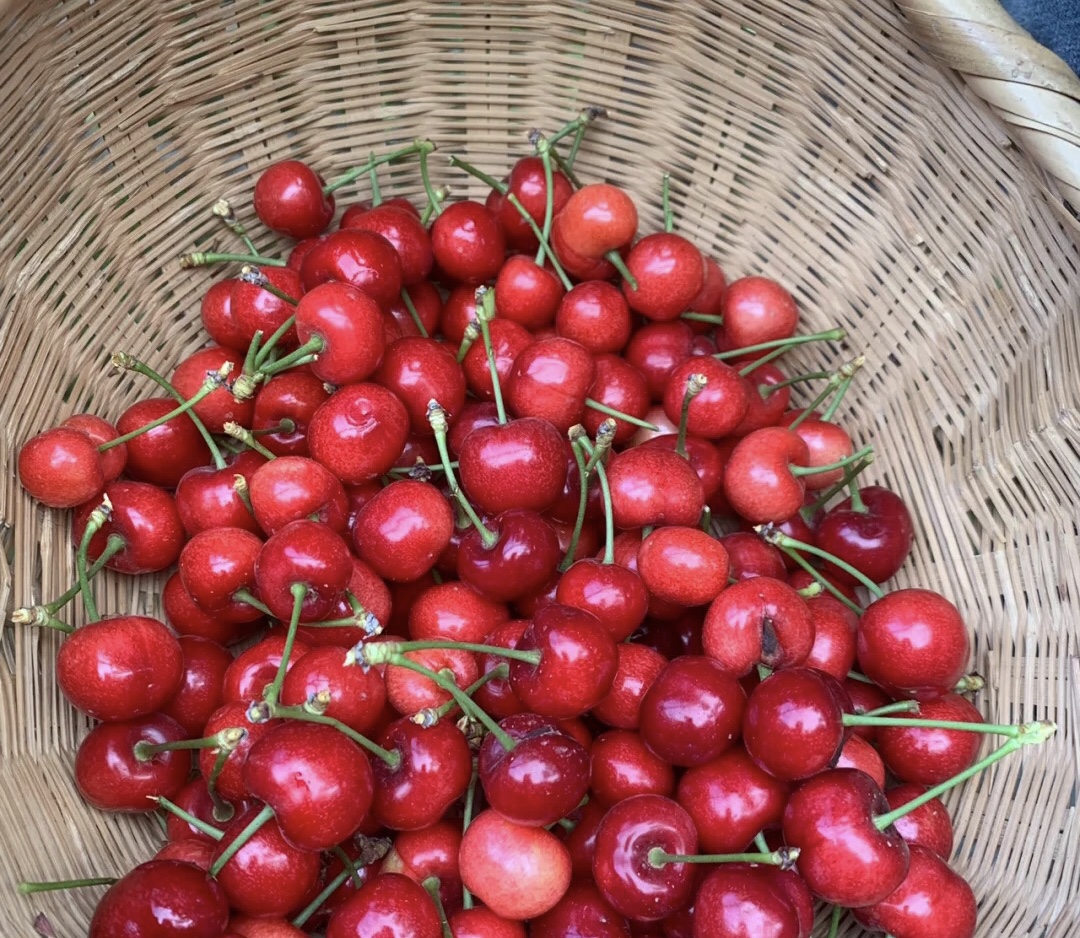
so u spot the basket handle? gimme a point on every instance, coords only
(1029, 87)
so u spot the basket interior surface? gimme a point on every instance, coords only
(812, 142)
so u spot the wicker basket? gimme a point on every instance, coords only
(812, 140)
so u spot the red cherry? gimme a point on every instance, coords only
(364, 259)
(162, 455)
(656, 349)
(508, 340)
(857, 753)
(638, 667)
(356, 696)
(207, 497)
(756, 310)
(835, 626)
(652, 486)
(409, 692)
(709, 300)
(550, 379)
(145, 517)
(598, 218)
(401, 531)
(219, 406)
(750, 556)
(293, 395)
(929, 825)
(348, 322)
(200, 691)
(255, 667)
(289, 199)
(670, 273)
(527, 295)
(431, 852)
(101, 431)
(706, 459)
(61, 468)
(232, 716)
(254, 309)
(926, 755)
(457, 313)
(520, 561)
(581, 911)
(359, 432)
(594, 314)
(683, 565)
(309, 553)
(614, 594)
(426, 302)
(218, 319)
(619, 385)
(864, 698)
(402, 228)
(215, 565)
(187, 618)
(497, 697)
(162, 899)
(417, 370)
(623, 766)
(528, 183)
(876, 541)
(758, 481)
(292, 488)
(767, 403)
(454, 612)
(468, 243)
(742, 901)
(577, 265)
(389, 905)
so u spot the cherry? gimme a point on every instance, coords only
(550, 379)
(120, 668)
(344, 325)
(479, 922)
(760, 620)
(619, 386)
(200, 692)
(756, 310)
(163, 454)
(928, 826)
(875, 538)
(581, 911)
(515, 555)
(189, 619)
(577, 265)
(865, 696)
(453, 611)
(292, 488)
(656, 349)
(317, 780)
(364, 259)
(528, 183)
(401, 531)
(508, 340)
(207, 497)
(913, 643)
(291, 396)
(289, 198)
(835, 626)
(215, 565)
(623, 766)
(195, 799)
(758, 480)
(147, 520)
(460, 310)
(518, 872)
(576, 666)
(468, 243)
(528, 295)
(219, 406)
(857, 753)
(670, 273)
(730, 800)
(844, 857)
(198, 853)
(432, 852)
(261, 873)
(652, 486)
(228, 781)
(420, 313)
(111, 775)
(594, 314)
(519, 464)
(743, 901)
(541, 779)
(356, 697)
(61, 468)
(750, 556)
(598, 218)
(218, 319)
(705, 458)
(692, 712)
(826, 443)
(404, 230)
(418, 369)
(768, 396)
(410, 690)
(359, 432)
(306, 553)
(497, 697)
(162, 899)
(255, 309)
(929, 755)
(683, 565)
(614, 594)
(638, 667)
(101, 431)
(933, 900)
(255, 667)
(623, 869)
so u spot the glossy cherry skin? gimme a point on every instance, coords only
(876, 541)
(434, 770)
(255, 667)
(217, 317)
(198, 853)
(508, 340)
(206, 497)
(519, 464)
(289, 199)
(619, 385)
(403, 229)
(402, 530)
(758, 621)
(581, 911)
(61, 467)
(793, 723)
(420, 370)
(767, 402)
(913, 643)
(162, 455)
(228, 716)
(757, 479)
(497, 697)
(596, 315)
(200, 690)
(577, 662)
(304, 552)
(925, 755)
(543, 778)
(257, 310)
(292, 488)
(479, 922)
(120, 668)
(219, 406)
(431, 852)
(638, 667)
(527, 295)
(359, 432)
(194, 798)
(731, 799)
(577, 266)
(550, 379)
(721, 405)
(692, 712)
(826, 443)
(750, 556)
(622, 871)
(755, 310)
(349, 323)
(929, 825)
(522, 559)
(933, 901)
(110, 777)
(364, 259)
(741, 901)
(670, 273)
(623, 766)
(453, 611)
(683, 565)
(468, 243)
(161, 899)
(843, 857)
(528, 183)
(389, 905)
(857, 753)
(409, 692)
(598, 218)
(187, 618)
(650, 485)
(317, 780)
(217, 563)
(614, 594)
(145, 517)
(835, 627)
(357, 696)
(458, 311)
(656, 349)
(268, 875)
(518, 872)
(294, 395)
(706, 459)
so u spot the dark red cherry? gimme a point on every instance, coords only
(419, 370)
(403, 229)
(162, 455)
(521, 560)
(289, 199)
(146, 518)
(219, 406)
(200, 691)
(364, 259)
(875, 541)
(468, 243)
(401, 531)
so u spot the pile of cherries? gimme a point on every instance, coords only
(509, 594)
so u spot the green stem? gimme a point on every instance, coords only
(609, 514)
(855, 457)
(466, 820)
(900, 706)
(614, 258)
(695, 384)
(223, 210)
(766, 389)
(785, 857)
(94, 523)
(254, 277)
(411, 307)
(246, 437)
(285, 425)
(566, 169)
(500, 672)
(820, 578)
(28, 889)
(759, 842)
(1030, 734)
(209, 386)
(808, 511)
(431, 887)
(784, 542)
(809, 409)
(222, 810)
(665, 197)
(268, 347)
(861, 678)
(476, 173)
(205, 259)
(403, 472)
(317, 903)
(226, 739)
(468, 337)
(242, 838)
(434, 206)
(373, 175)
(544, 151)
(43, 615)
(857, 503)
(198, 823)
(619, 415)
(834, 405)
(830, 335)
(384, 652)
(710, 318)
(243, 596)
(1011, 731)
(535, 228)
(485, 312)
(422, 147)
(583, 504)
(299, 594)
(437, 418)
(392, 759)
(834, 921)
(298, 356)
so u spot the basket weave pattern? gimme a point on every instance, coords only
(814, 142)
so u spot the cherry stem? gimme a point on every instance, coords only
(222, 810)
(299, 594)
(811, 589)
(583, 504)
(468, 338)
(436, 416)
(223, 210)
(243, 596)
(833, 407)
(242, 838)
(850, 473)
(566, 169)
(807, 412)
(299, 356)
(226, 740)
(695, 384)
(198, 823)
(619, 415)
(578, 125)
(766, 389)
(94, 523)
(861, 678)
(830, 335)
(256, 278)
(423, 147)
(855, 457)
(899, 706)
(431, 887)
(784, 858)
(1028, 734)
(475, 172)
(467, 818)
(1012, 731)
(262, 355)
(834, 921)
(308, 715)
(605, 437)
(485, 312)
(431, 715)
(665, 199)
(317, 903)
(207, 258)
(411, 307)
(759, 842)
(214, 381)
(535, 228)
(703, 317)
(614, 258)
(543, 150)
(373, 176)
(285, 425)
(605, 492)
(246, 437)
(435, 197)
(706, 519)
(27, 889)
(43, 615)
(361, 618)
(857, 503)
(384, 652)
(402, 472)
(819, 577)
(784, 542)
